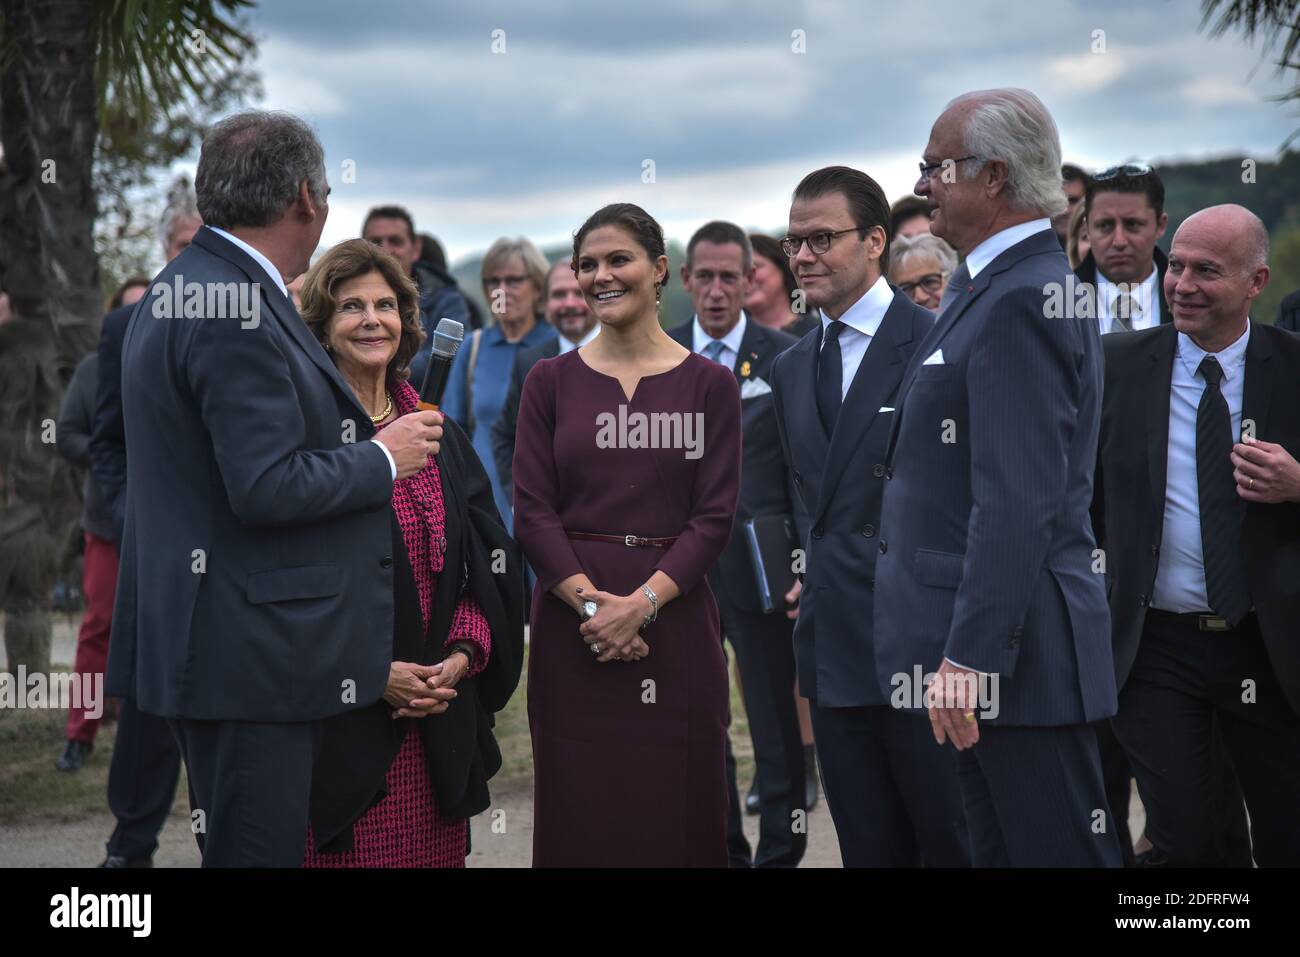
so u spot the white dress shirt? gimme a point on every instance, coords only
(568, 345)
(279, 281)
(998, 243)
(863, 320)
(257, 258)
(1180, 575)
(1145, 301)
(730, 342)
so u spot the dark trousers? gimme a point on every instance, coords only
(1183, 681)
(1117, 778)
(1034, 798)
(1229, 809)
(765, 652)
(142, 780)
(892, 792)
(738, 850)
(250, 784)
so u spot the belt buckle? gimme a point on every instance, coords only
(1214, 623)
(630, 541)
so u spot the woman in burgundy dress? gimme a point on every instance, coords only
(395, 782)
(626, 470)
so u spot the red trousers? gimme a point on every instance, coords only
(99, 584)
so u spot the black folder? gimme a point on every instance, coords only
(772, 542)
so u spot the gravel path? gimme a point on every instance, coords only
(80, 843)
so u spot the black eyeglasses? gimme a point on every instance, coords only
(1127, 169)
(817, 242)
(930, 282)
(928, 168)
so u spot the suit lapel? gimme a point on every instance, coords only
(1159, 382)
(800, 401)
(753, 346)
(1162, 263)
(1258, 388)
(870, 389)
(946, 320)
(280, 307)
(1040, 242)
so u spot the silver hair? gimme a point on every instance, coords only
(251, 166)
(1013, 126)
(920, 246)
(535, 263)
(182, 204)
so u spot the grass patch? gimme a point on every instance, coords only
(32, 740)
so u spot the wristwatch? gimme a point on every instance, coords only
(589, 609)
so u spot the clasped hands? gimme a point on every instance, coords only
(615, 629)
(417, 691)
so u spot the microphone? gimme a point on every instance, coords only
(446, 341)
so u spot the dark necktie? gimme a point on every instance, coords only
(830, 376)
(1225, 575)
(958, 283)
(1121, 313)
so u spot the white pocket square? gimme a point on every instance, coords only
(935, 358)
(886, 408)
(753, 388)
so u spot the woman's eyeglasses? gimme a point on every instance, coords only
(510, 282)
(930, 282)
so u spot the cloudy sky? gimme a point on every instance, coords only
(488, 118)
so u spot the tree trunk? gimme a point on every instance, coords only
(48, 126)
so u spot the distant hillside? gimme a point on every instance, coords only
(1274, 196)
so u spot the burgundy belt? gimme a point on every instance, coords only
(631, 541)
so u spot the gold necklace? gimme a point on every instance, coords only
(388, 410)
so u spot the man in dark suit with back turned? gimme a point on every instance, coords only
(255, 595)
(146, 766)
(1202, 546)
(719, 265)
(986, 548)
(891, 792)
(576, 325)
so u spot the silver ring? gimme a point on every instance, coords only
(595, 647)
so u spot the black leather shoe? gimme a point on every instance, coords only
(74, 755)
(1152, 858)
(809, 777)
(114, 861)
(751, 799)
